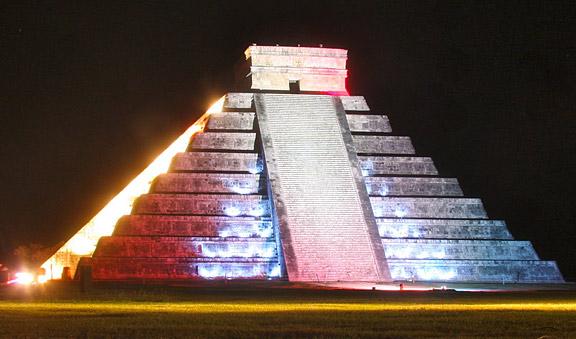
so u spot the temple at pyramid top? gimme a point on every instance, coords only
(291, 178)
(306, 69)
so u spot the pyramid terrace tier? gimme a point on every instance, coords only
(183, 268)
(216, 162)
(403, 186)
(209, 183)
(368, 123)
(387, 165)
(230, 141)
(369, 144)
(434, 208)
(231, 121)
(442, 229)
(203, 204)
(478, 271)
(354, 103)
(245, 101)
(194, 226)
(458, 249)
(383, 144)
(185, 247)
(235, 101)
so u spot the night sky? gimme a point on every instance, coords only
(92, 92)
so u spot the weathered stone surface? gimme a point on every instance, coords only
(327, 234)
(381, 165)
(231, 120)
(458, 249)
(202, 204)
(183, 268)
(220, 162)
(208, 183)
(199, 226)
(238, 100)
(496, 271)
(194, 226)
(448, 208)
(184, 247)
(378, 144)
(368, 123)
(442, 229)
(398, 186)
(354, 103)
(224, 141)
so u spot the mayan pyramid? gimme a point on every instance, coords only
(294, 179)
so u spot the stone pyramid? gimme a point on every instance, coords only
(294, 179)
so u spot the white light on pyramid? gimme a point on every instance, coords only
(102, 224)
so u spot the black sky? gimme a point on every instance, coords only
(92, 91)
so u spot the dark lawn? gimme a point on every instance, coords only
(59, 310)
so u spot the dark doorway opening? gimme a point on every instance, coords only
(294, 86)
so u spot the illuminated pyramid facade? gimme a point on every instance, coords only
(294, 179)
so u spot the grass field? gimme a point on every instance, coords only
(62, 311)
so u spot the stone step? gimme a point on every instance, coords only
(231, 121)
(223, 141)
(184, 247)
(443, 228)
(368, 123)
(477, 271)
(238, 100)
(382, 165)
(181, 268)
(435, 208)
(383, 144)
(199, 226)
(458, 249)
(208, 183)
(217, 162)
(398, 186)
(203, 204)
(354, 103)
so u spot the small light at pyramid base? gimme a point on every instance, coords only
(27, 278)
(24, 278)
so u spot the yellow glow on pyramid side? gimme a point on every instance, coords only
(83, 243)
